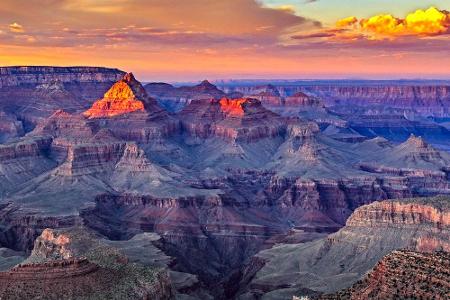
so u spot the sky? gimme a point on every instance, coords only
(186, 40)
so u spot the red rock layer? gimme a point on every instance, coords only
(231, 119)
(390, 213)
(125, 96)
(403, 275)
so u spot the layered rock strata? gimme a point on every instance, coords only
(403, 274)
(342, 258)
(73, 264)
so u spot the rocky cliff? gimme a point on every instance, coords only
(175, 99)
(73, 263)
(342, 258)
(125, 96)
(23, 76)
(403, 274)
(424, 98)
(231, 119)
(33, 93)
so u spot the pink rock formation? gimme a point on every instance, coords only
(125, 96)
(231, 119)
(392, 212)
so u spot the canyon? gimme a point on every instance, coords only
(173, 179)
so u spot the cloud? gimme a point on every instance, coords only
(430, 22)
(346, 22)
(192, 23)
(15, 27)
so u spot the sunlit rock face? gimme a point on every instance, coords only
(231, 119)
(125, 96)
(33, 93)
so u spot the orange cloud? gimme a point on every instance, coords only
(14, 27)
(346, 22)
(419, 23)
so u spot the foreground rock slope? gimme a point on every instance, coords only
(74, 264)
(403, 274)
(342, 258)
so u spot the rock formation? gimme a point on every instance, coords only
(342, 258)
(231, 119)
(175, 99)
(34, 93)
(125, 96)
(74, 264)
(403, 274)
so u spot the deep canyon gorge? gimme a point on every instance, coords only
(219, 191)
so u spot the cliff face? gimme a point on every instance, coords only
(403, 274)
(371, 232)
(386, 214)
(421, 97)
(231, 119)
(22, 161)
(33, 93)
(125, 96)
(75, 264)
(10, 127)
(26, 76)
(174, 99)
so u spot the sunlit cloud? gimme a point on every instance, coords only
(429, 22)
(15, 27)
(346, 22)
(243, 37)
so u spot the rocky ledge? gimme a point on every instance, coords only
(341, 259)
(403, 274)
(231, 119)
(75, 264)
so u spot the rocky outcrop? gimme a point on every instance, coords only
(386, 214)
(231, 119)
(268, 95)
(23, 160)
(130, 114)
(23, 76)
(10, 127)
(300, 99)
(26, 148)
(403, 274)
(338, 261)
(175, 99)
(91, 158)
(425, 98)
(73, 263)
(65, 126)
(34, 93)
(125, 96)
(19, 229)
(414, 154)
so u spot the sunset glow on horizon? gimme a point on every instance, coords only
(191, 40)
